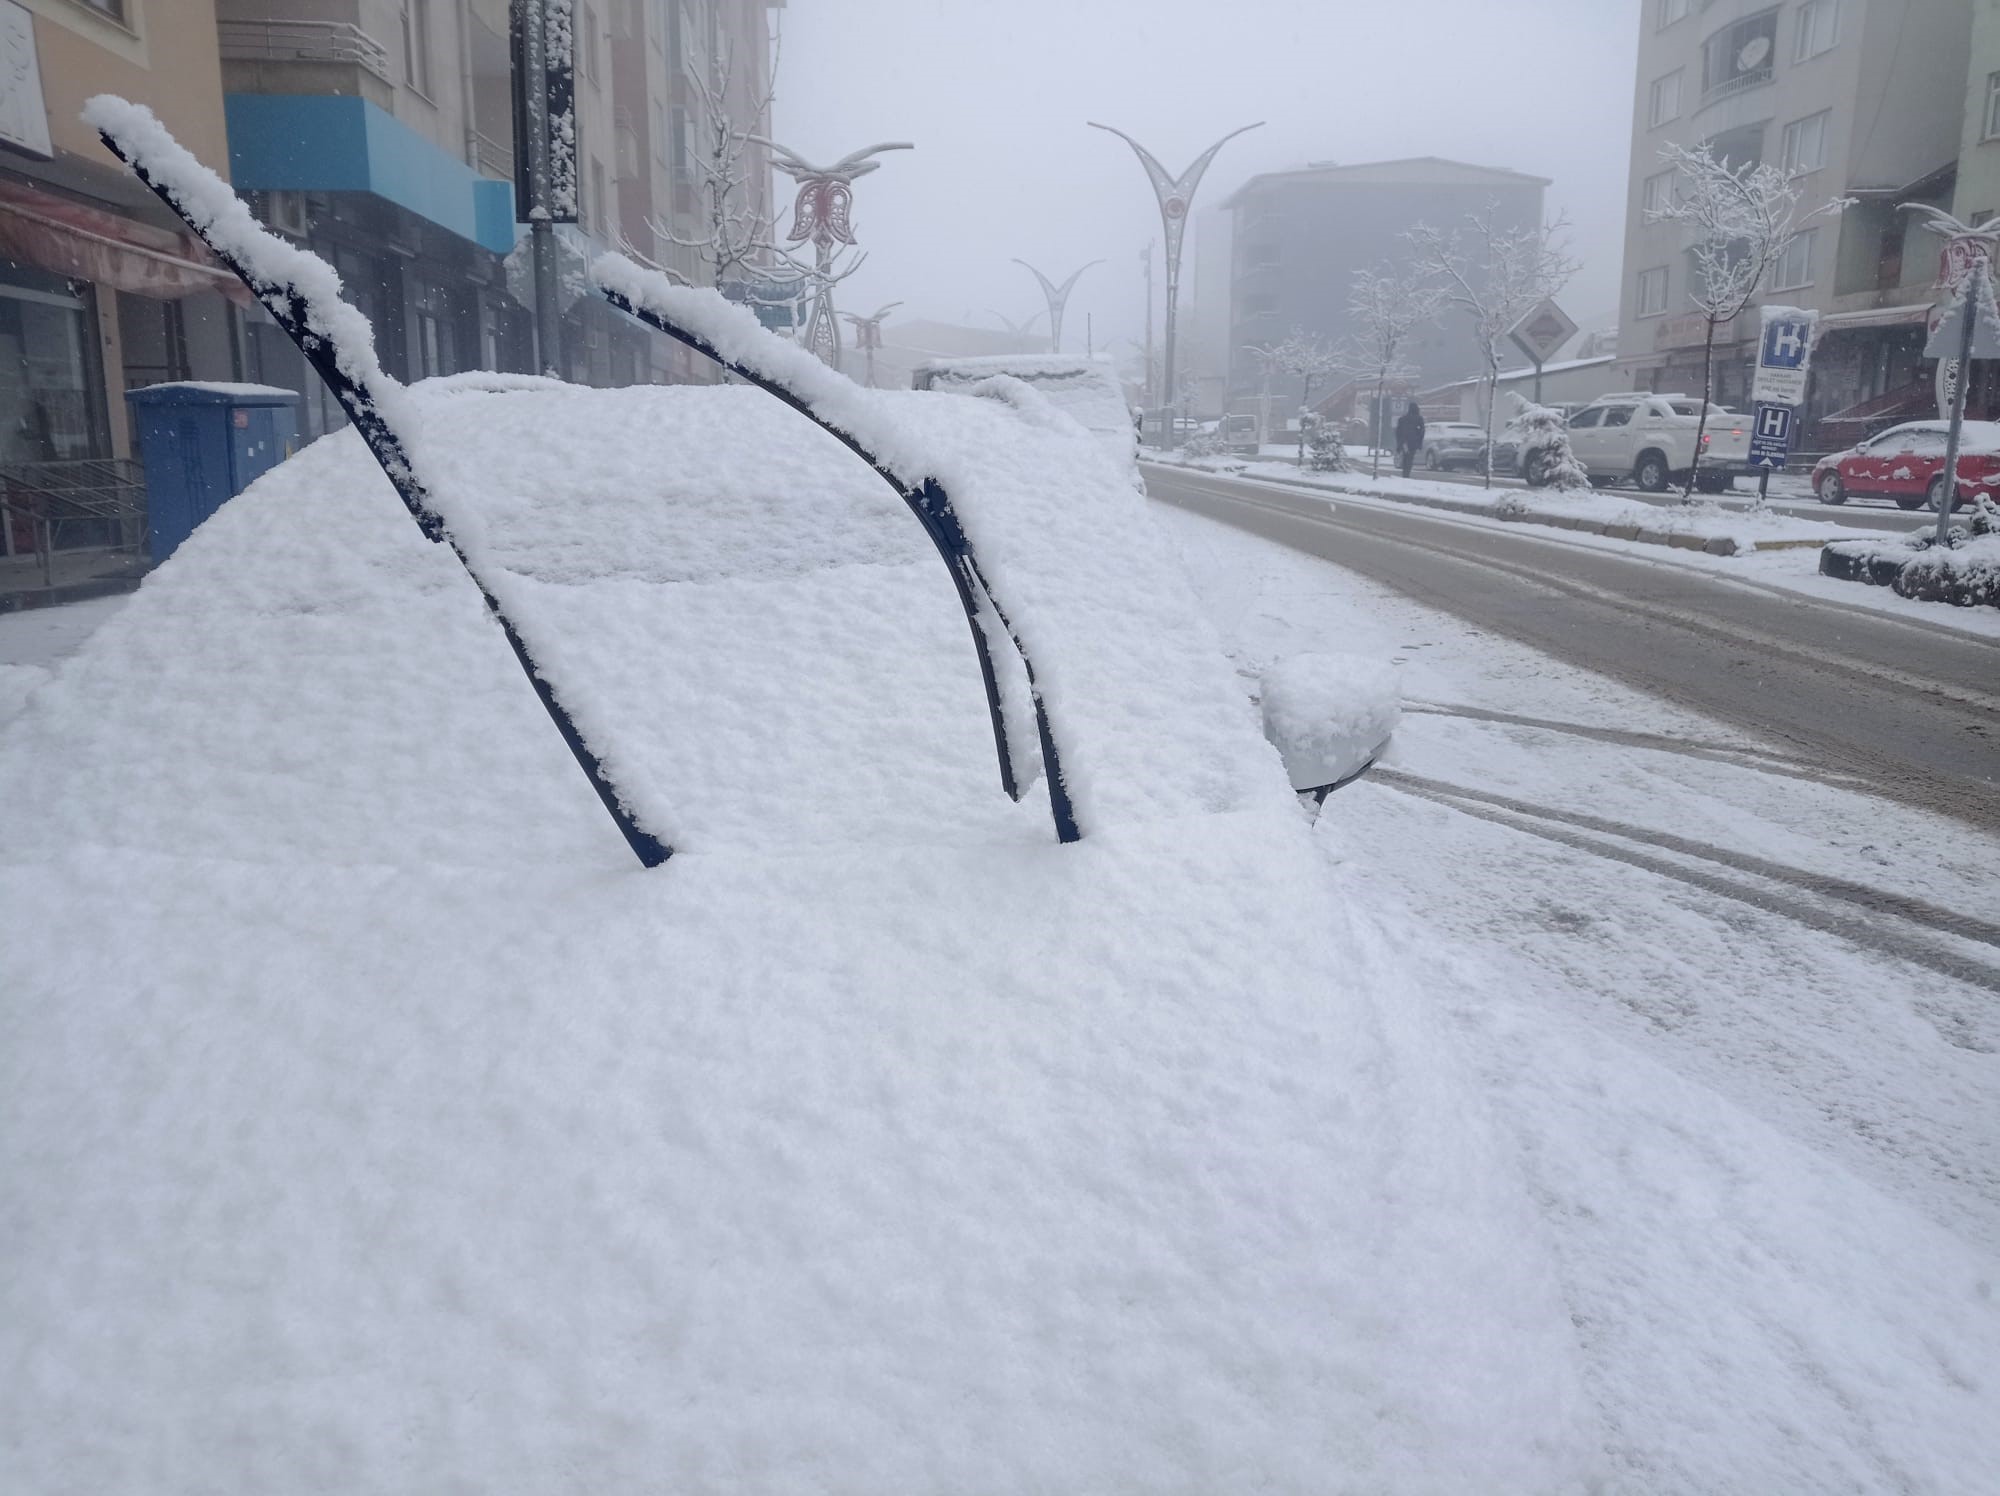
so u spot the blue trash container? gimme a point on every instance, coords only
(202, 444)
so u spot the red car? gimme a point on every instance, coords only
(1906, 463)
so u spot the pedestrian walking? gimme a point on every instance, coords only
(1409, 437)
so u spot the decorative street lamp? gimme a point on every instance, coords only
(1175, 193)
(868, 334)
(824, 214)
(1058, 297)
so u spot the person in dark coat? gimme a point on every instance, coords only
(1409, 437)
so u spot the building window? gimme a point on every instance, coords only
(599, 213)
(112, 8)
(1805, 143)
(680, 156)
(1666, 99)
(1670, 11)
(587, 25)
(1653, 292)
(1659, 191)
(417, 45)
(1794, 267)
(1739, 56)
(1818, 29)
(1992, 131)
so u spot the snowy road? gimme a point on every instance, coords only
(1906, 709)
(1740, 1029)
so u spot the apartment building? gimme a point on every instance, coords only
(1865, 99)
(1298, 237)
(100, 289)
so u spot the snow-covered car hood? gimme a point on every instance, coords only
(373, 1123)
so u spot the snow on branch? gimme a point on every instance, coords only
(1741, 220)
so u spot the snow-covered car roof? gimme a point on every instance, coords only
(1086, 389)
(373, 1120)
(1976, 438)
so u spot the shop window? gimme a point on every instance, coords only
(51, 397)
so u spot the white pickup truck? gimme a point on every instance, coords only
(1649, 440)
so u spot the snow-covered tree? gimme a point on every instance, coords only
(733, 236)
(1741, 219)
(1307, 358)
(1387, 308)
(1329, 448)
(1494, 274)
(1542, 451)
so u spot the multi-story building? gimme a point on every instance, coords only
(381, 132)
(100, 290)
(1864, 99)
(1298, 237)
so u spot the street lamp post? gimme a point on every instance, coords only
(824, 214)
(868, 334)
(1057, 296)
(1175, 194)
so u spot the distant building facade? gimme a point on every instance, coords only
(1297, 239)
(1868, 99)
(100, 288)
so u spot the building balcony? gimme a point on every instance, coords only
(304, 57)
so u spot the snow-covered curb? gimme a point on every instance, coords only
(1696, 527)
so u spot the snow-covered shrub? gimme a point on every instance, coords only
(1544, 454)
(1328, 450)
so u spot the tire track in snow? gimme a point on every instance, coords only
(1586, 833)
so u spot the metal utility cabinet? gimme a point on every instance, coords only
(203, 444)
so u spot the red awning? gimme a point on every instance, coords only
(66, 237)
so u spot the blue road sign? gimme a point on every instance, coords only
(1770, 436)
(1786, 343)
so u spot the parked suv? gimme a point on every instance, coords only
(1649, 440)
(1450, 444)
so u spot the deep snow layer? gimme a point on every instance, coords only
(373, 1125)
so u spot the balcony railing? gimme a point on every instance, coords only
(1741, 83)
(303, 41)
(496, 157)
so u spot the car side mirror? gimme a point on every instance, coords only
(1330, 716)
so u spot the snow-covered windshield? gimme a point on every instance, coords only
(771, 746)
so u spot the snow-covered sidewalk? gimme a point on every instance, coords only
(1763, 1152)
(1699, 526)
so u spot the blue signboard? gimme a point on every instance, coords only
(1786, 343)
(1770, 436)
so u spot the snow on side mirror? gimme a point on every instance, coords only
(1329, 716)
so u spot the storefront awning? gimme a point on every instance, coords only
(66, 237)
(1881, 316)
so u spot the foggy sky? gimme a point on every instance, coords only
(995, 95)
